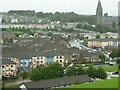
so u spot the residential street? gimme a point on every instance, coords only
(17, 82)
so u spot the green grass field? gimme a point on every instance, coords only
(111, 68)
(106, 68)
(12, 85)
(110, 83)
(80, 65)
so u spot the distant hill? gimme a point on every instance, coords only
(63, 17)
(22, 12)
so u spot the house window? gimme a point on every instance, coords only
(11, 65)
(60, 57)
(11, 70)
(41, 61)
(60, 60)
(37, 57)
(37, 61)
(3, 66)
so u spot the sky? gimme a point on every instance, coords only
(85, 7)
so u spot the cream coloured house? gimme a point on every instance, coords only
(39, 61)
(49, 58)
(8, 68)
(101, 43)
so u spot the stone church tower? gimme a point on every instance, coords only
(99, 13)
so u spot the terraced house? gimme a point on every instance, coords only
(48, 58)
(8, 68)
(25, 64)
(101, 43)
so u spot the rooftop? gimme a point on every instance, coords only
(104, 40)
(67, 80)
(7, 61)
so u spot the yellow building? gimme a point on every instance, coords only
(101, 43)
(17, 61)
(44, 60)
(8, 68)
(89, 36)
(39, 61)
(59, 59)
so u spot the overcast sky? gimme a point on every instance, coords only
(77, 6)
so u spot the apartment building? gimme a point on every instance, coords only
(8, 68)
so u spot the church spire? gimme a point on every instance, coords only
(99, 12)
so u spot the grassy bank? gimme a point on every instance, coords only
(110, 83)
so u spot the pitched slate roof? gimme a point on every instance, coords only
(104, 40)
(67, 80)
(7, 61)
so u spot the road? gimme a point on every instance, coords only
(17, 82)
(105, 65)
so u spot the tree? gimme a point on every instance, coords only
(118, 62)
(79, 26)
(113, 25)
(80, 71)
(88, 27)
(50, 34)
(24, 75)
(91, 72)
(85, 43)
(71, 71)
(51, 71)
(114, 53)
(100, 73)
(105, 14)
(102, 56)
(3, 86)
(97, 36)
(35, 74)
(103, 29)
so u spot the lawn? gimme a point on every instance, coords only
(109, 83)
(111, 68)
(12, 85)
(80, 65)
(106, 68)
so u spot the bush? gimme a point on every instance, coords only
(71, 71)
(100, 73)
(51, 71)
(14, 77)
(9, 78)
(76, 82)
(91, 72)
(80, 71)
